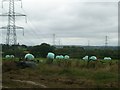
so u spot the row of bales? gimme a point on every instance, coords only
(29, 59)
(27, 56)
(95, 58)
(66, 59)
(95, 61)
(59, 58)
(51, 55)
(9, 56)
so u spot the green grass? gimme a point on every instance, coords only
(69, 74)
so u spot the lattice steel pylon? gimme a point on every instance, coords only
(106, 41)
(11, 37)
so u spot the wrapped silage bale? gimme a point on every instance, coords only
(61, 57)
(12, 56)
(67, 57)
(94, 58)
(107, 58)
(57, 57)
(50, 55)
(85, 58)
(29, 56)
(7, 56)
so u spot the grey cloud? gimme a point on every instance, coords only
(70, 20)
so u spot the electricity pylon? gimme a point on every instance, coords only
(11, 37)
(106, 41)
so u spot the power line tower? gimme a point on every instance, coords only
(106, 41)
(11, 37)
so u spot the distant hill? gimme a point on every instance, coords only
(89, 47)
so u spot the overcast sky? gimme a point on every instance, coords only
(74, 22)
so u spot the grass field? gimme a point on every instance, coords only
(61, 74)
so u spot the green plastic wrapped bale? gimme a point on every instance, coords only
(107, 58)
(94, 58)
(7, 56)
(57, 57)
(61, 57)
(85, 58)
(29, 56)
(66, 57)
(50, 55)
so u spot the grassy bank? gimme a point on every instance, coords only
(63, 74)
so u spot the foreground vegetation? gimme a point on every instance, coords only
(72, 73)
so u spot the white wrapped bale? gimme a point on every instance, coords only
(29, 56)
(50, 55)
(93, 58)
(66, 57)
(7, 56)
(12, 56)
(57, 57)
(61, 57)
(85, 58)
(107, 58)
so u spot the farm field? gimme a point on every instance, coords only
(73, 73)
(61, 44)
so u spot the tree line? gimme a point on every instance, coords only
(43, 49)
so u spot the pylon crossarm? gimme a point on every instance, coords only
(4, 14)
(19, 14)
(16, 27)
(16, 14)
